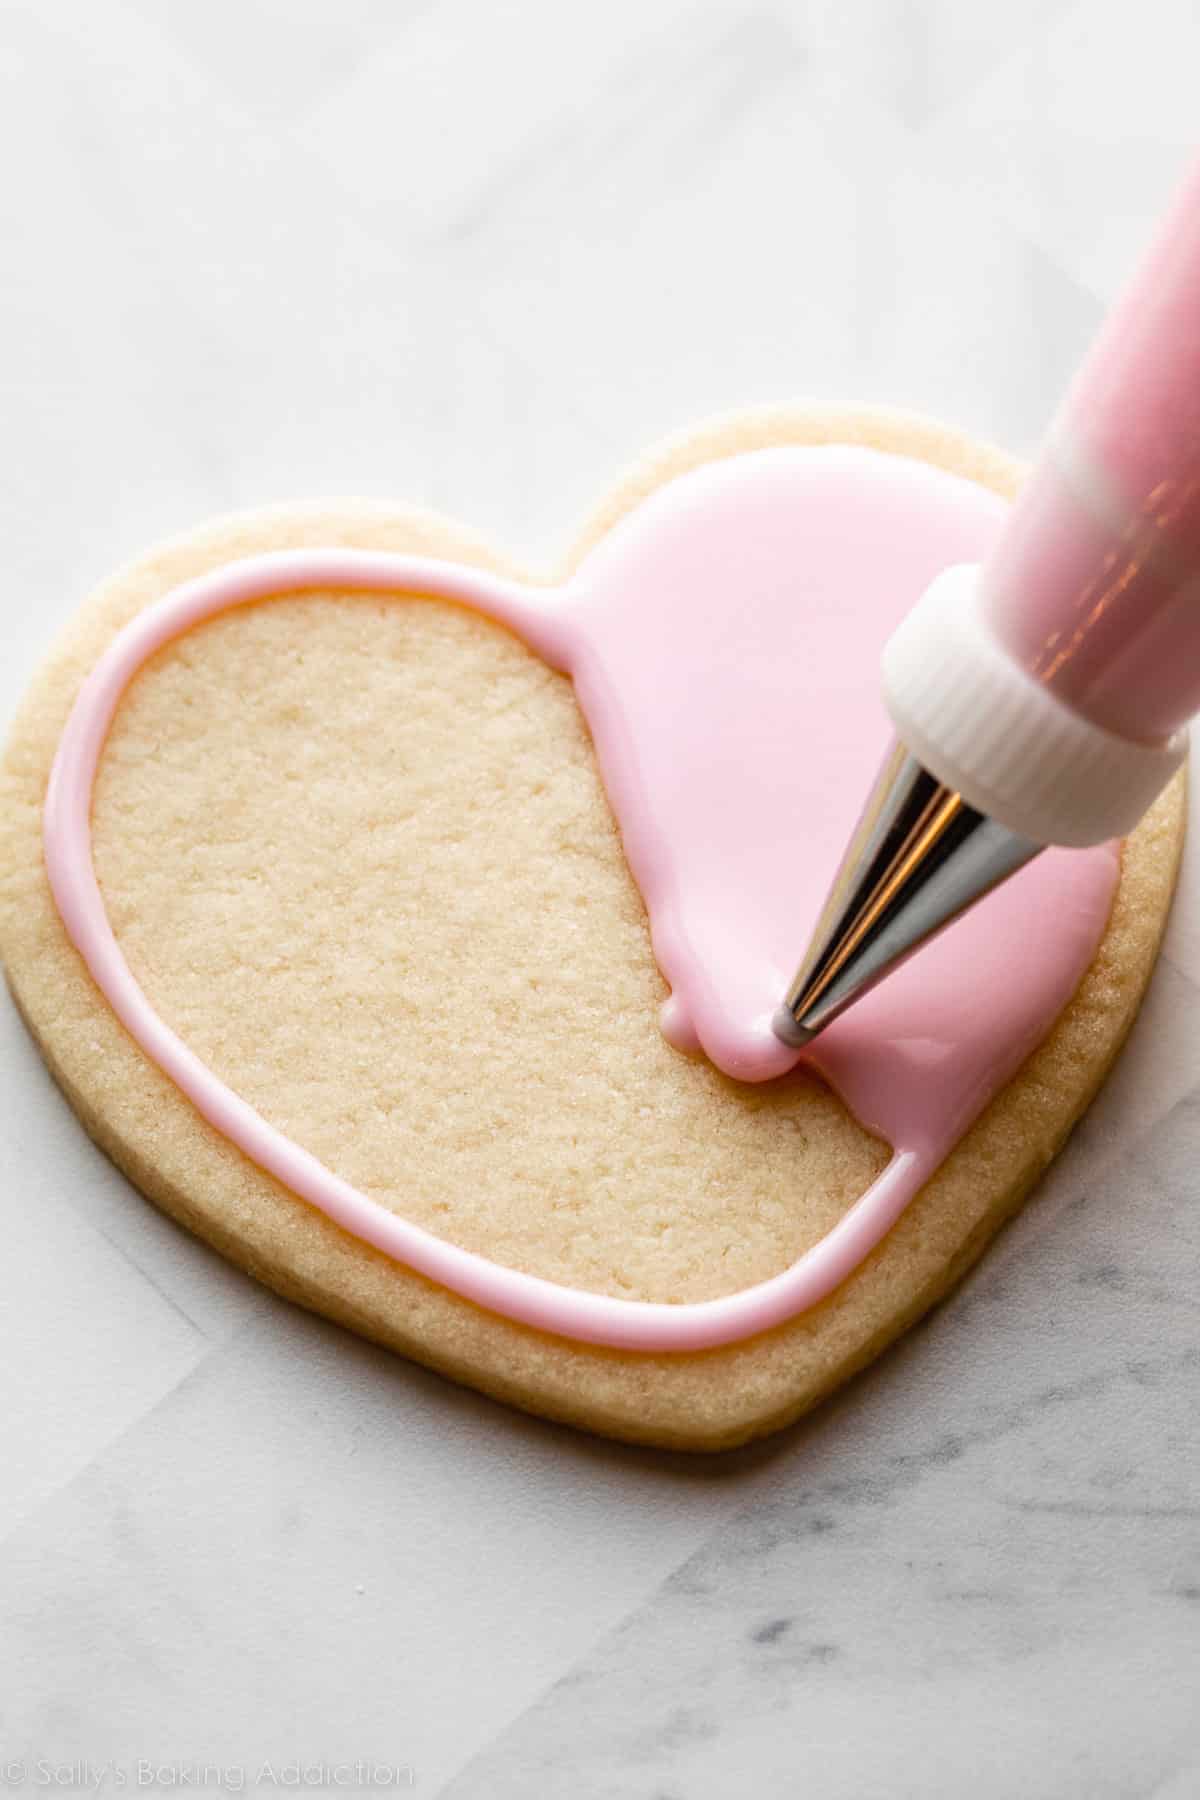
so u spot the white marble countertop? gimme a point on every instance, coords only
(478, 255)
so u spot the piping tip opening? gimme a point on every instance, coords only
(789, 1032)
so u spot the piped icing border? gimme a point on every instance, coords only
(559, 625)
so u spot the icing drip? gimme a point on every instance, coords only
(723, 641)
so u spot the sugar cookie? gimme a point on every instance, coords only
(364, 909)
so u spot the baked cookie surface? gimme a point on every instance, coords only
(357, 853)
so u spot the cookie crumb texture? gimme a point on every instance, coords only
(357, 853)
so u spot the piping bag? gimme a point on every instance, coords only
(1042, 696)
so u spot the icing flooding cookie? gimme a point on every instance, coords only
(356, 975)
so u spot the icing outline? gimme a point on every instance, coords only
(545, 621)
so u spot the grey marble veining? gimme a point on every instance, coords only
(312, 1550)
(977, 1571)
(478, 256)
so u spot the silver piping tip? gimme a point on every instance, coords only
(918, 858)
(789, 1032)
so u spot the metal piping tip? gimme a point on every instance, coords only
(919, 857)
(789, 1032)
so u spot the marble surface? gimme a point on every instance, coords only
(478, 255)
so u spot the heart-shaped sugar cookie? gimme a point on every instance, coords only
(356, 855)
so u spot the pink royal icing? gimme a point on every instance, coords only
(723, 640)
